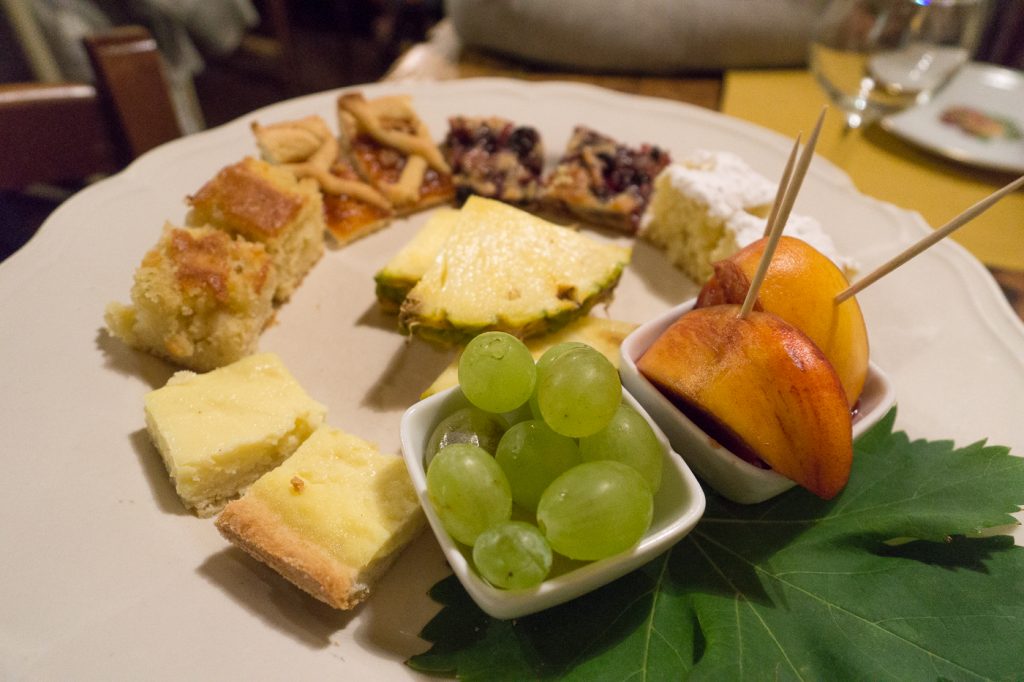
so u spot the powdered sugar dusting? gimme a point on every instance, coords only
(722, 181)
(742, 228)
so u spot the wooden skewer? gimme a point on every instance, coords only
(787, 174)
(930, 239)
(782, 215)
(762, 269)
(801, 170)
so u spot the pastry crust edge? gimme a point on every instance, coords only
(253, 526)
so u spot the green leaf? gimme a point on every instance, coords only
(891, 580)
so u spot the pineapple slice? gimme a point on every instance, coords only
(402, 272)
(505, 269)
(600, 333)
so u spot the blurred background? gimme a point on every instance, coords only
(236, 55)
(225, 58)
(222, 59)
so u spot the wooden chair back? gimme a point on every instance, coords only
(57, 133)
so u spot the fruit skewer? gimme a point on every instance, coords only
(754, 382)
(928, 240)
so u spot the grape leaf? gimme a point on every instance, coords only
(891, 580)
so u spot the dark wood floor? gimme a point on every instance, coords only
(334, 44)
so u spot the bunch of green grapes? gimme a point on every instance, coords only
(579, 462)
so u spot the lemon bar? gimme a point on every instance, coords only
(331, 519)
(268, 205)
(220, 431)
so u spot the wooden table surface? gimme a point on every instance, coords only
(442, 57)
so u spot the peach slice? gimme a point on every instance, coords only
(799, 288)
(761, 388)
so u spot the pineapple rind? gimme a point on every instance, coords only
(392, 291)
(449, 334)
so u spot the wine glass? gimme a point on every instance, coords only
(876, 57)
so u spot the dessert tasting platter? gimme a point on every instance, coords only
(107, 575)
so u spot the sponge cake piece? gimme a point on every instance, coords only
(220, 431)
(266, 204)
(710, 205)
(331, 519)
(200, 298)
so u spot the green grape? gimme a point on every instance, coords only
(468, 425)
(534, 407)
(497, 372)
(556, 351)
(468, 490)
(512, 555)
(532, 455)
(521, 414)
(629, 439)
(578, 391)
(545, 360)
(595, 510)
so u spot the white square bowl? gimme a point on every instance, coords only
(729, 475)
(678, 505)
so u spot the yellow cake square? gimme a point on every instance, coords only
(330, 519)
(220, 431)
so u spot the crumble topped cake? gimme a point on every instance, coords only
(391, 147)
(504, 269)
(602, 181)
(494, 158)
(331, 519)
(220, 431)
(352, 207)
(266, 204)
(709, 205)
(200, 298)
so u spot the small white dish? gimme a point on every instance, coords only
(678, 505)
(989, 91)
(731, 476)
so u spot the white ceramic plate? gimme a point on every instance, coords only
(105, 576)
(994, 91)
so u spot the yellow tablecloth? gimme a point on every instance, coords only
(884, 166)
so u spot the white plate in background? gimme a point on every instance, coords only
(994, 91)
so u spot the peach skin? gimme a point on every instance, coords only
(799, 288)
(759, 386)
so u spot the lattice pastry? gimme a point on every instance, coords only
(352, 207)
(392, 148)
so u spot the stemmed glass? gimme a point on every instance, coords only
(876, 57)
